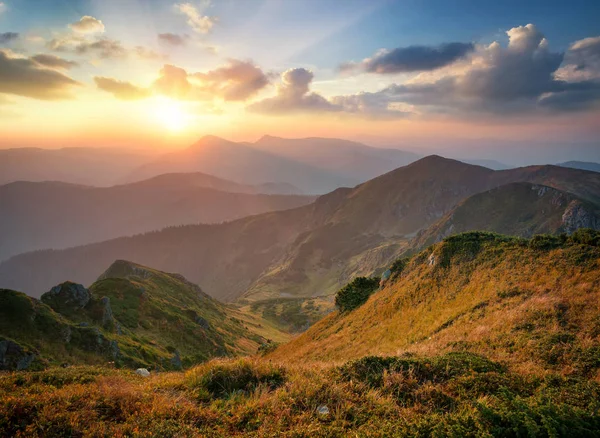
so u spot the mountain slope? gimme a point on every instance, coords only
(90, 166)
(526, 302)
(516, 209)
(57, 215)
(343, 157)
(133, 315)
(308, 251)
(242, 163)
(583, 165)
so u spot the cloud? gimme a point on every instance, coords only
(293, 95)
(8, 37)
(104, 48)
(25, 77)
(172, 39)
(87, 24)
(121, 90)
(53, 61)
(582, 61)
(199, 23)
(412, 59)
(236, 81)
(515, 79)
(2, 7)
(239, 80)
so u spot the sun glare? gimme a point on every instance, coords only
(171, 115)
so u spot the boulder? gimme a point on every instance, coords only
(14, 357)
(143, 372)
(67, 297)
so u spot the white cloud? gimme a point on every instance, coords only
(195, 18)
(3, 7)
(87, 24)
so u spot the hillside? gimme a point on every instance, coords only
(583, 165)
(133, 315)
(58, 215)
(530, 303)
(308, 251)
(88, 166)
(244, 164)
(516, 209)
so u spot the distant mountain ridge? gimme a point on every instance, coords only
(59, 215)
(307, 251)
(583, 165)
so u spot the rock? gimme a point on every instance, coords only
(143, 372)
(67, 297)
(66, 334)
(432, 259)
(202, 322)
(107, 315)
(323, 410)
(14, 357)
(176, 360)
(578, 216)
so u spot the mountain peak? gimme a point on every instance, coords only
(126, 269)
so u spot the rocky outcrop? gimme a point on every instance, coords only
(14, 357)
(577, 215)
(67, 297)
(125, 269)
(176, 360)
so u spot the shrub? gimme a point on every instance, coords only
(356, 293)
(221, 378)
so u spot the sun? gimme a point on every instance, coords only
(171, 114)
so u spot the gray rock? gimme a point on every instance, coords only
(107, 314)
(323, 410)
(143, 372)
(14, 357)
(578, 216)
(176, 360)
(202, 322)
(67, 296)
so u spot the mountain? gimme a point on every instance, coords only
(244, 164)
(58, 215)
(516, 209)
(583, 165)
(132, 315)
(528, 303)
(88, 166)
(480, 335)
(342, 157)
(308, 251)
(490, 164)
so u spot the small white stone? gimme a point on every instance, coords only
(142, 372)
(323, 410)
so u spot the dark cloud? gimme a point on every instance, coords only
(121, 90)
(104, 48)
(25, 77)
(54, 61)
(293, 95)
(172, 39)
(413, 58)
(519, 78)
(8, 37)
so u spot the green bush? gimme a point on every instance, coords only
(225, 378)
(356, 293)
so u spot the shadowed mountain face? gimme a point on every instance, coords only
(314, 165)
(308, 251)
(89, 166)
(57, 215)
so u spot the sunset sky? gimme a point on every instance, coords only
(156, 73)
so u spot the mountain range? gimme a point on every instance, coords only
(42, 215)
(314, 249)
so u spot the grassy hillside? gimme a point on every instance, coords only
(305, 252)
(134, 316)
(531, 303)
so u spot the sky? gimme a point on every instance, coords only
(161, 74)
